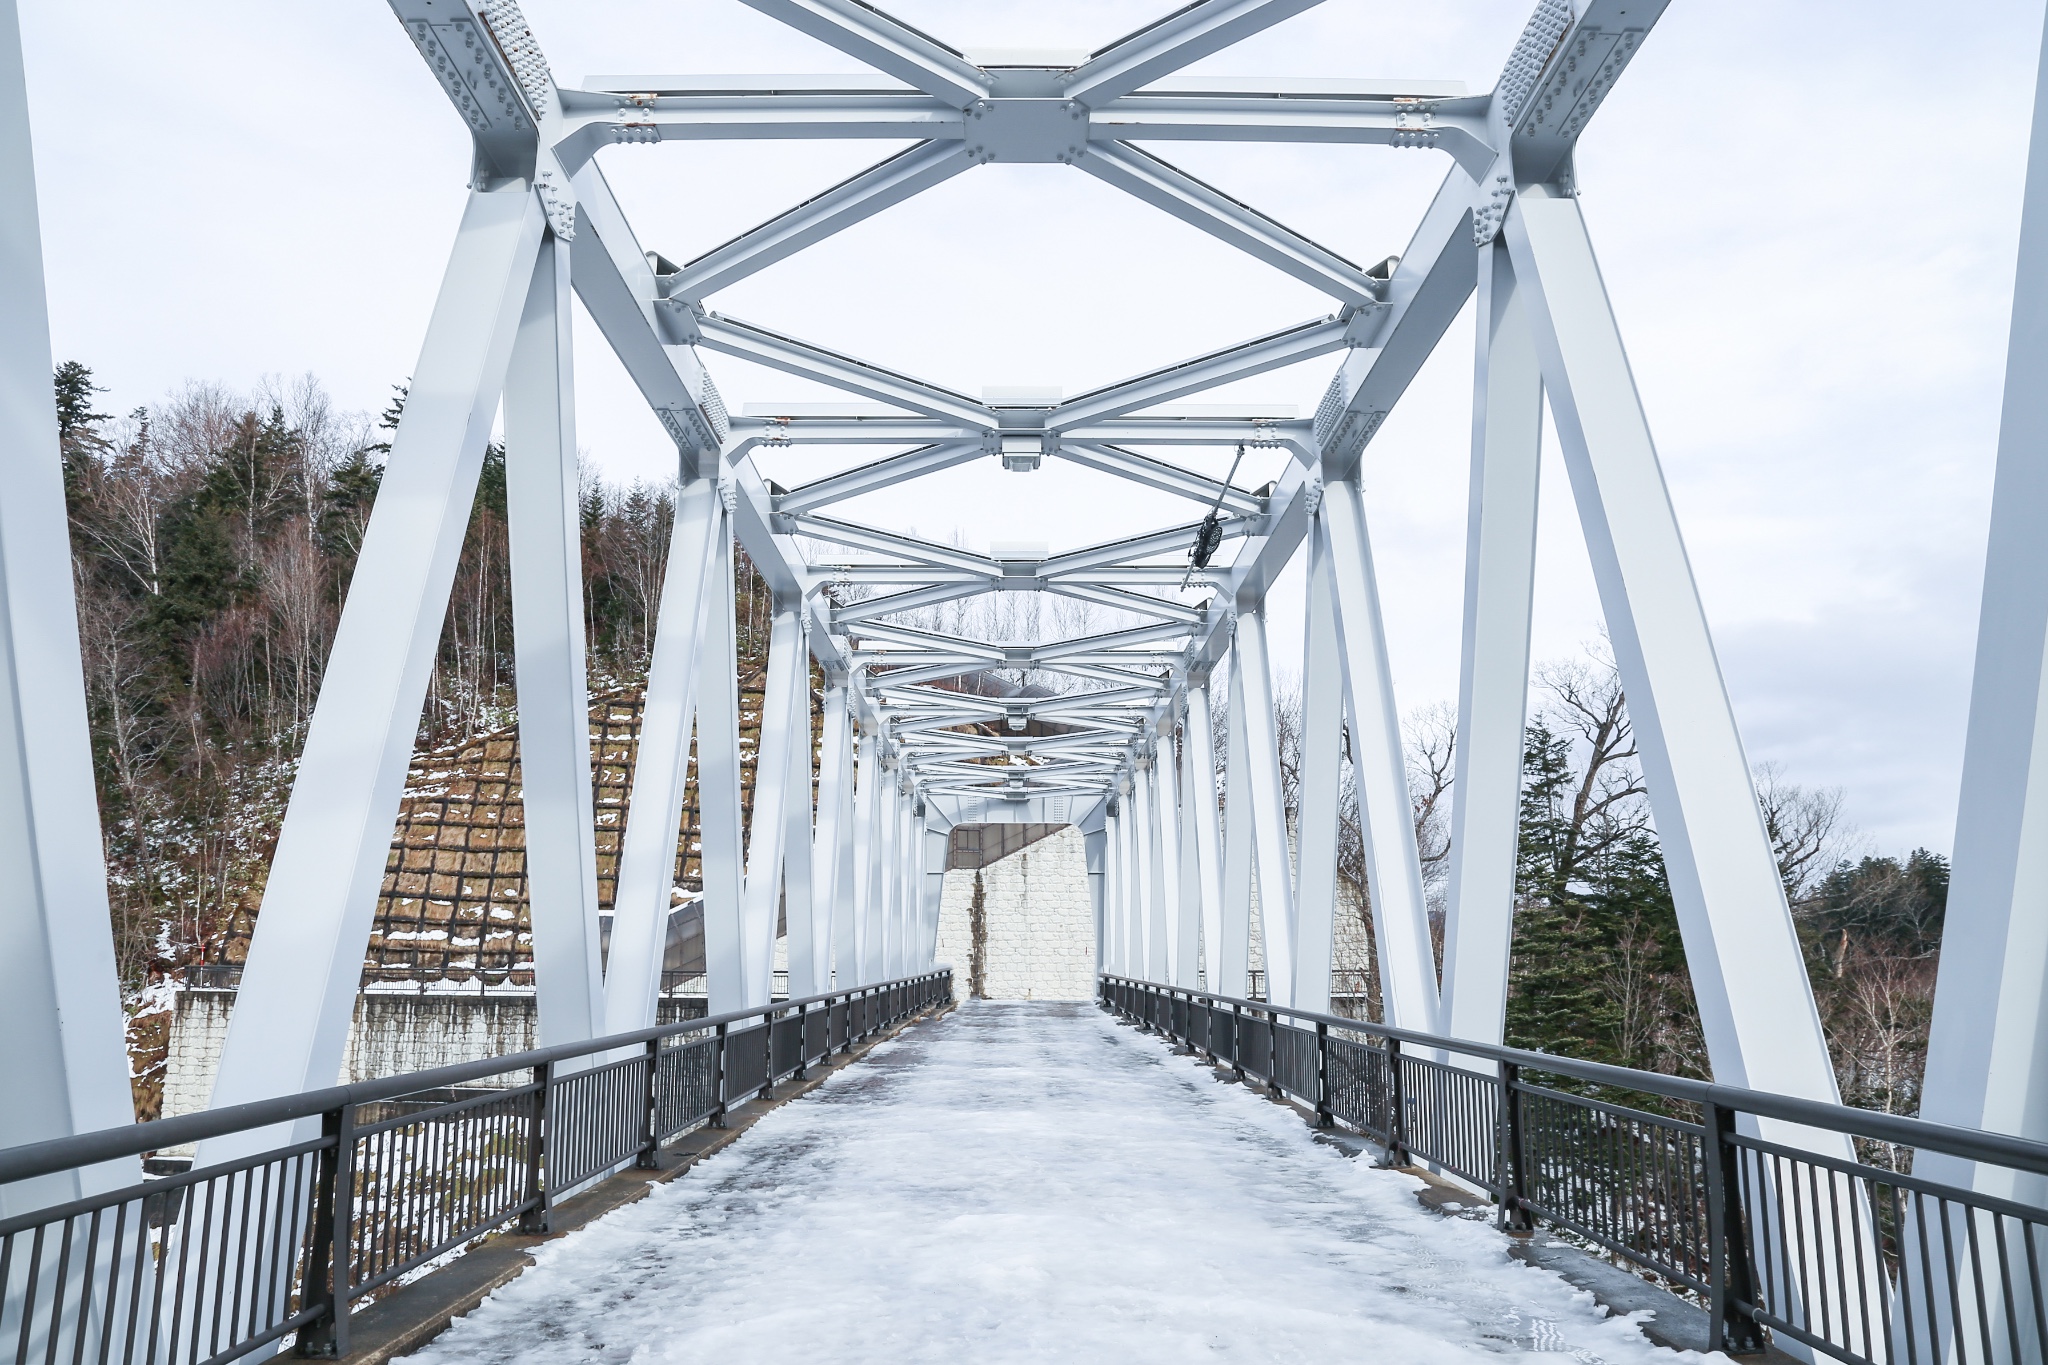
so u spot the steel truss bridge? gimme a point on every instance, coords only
(1122, 745)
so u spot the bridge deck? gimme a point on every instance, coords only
(1033, 1182)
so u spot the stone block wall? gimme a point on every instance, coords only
(1034, 935)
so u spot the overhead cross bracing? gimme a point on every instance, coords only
(1162, 621)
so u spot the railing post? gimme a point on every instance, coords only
(718, 1083)
(535, 1219)
(652, 1141)
(1272, 1053)
(326, 1284)
(803, 1040)
(1731, 1319)
(1511, 1180)
(1397, 1107)
(1237, 1043)
(1324, 1117)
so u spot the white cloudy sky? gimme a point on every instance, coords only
(1806, 216)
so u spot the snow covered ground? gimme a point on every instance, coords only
(1032, 1182)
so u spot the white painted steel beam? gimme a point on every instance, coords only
(1251, 696)
(65, 1064)
(858, 946)
(1076, 417)
(888, 543)
(855, 613)
(1458, 126)
(885, 43)
(298, 988)
(769, 822)
(1749, 974)
(1151, 924)
(617, 288)
(1200, 808)
(807, 923)
(1493, 683)
(1322, 777)
(883, 185)
(1200, 205)
(1426, 291)
(1165, 46)
(729, 975)
(1229, 965)
(1166, 864)
(647, 848)
(1987, 1057)
(747, 341)
(872, 478)
(544, 515)
(1167, 478)
(1136, 603)
(1393, 868)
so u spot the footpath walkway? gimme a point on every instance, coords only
(1033, 1182)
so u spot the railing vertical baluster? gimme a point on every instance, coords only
(1237, 1042)
(538, 1135)
(1397, 1107)
(325, 1286)
(1324, 1117)
(1731, 1324)
(651, 1138)
(718, 1080)
(1511, 1187)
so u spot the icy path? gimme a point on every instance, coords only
(1034, 1183)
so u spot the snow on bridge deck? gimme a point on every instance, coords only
(1034, 1182)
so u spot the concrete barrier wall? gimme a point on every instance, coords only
(392, 1033)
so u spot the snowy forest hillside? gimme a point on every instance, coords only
(214, 535)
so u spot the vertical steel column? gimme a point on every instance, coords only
(65, 1061)
(934, 845)
(788, 664)
(1379, 763)
(903, 900)
(647, 849)
(1252, 685)
(1322, 781)
(1187, 943)
(832, 849)
(862, 897)
(1756, 1006)
(1987, 1058)
(728, 978)
(810, 966)
(1493, 680)
(298, 988)
(1230, 969)
(1167, 874)
(1095, 849)
(1199, 809)
(1150, 926)
(544, 516)
(1113, 922)
(1134, 870)
(883, 909)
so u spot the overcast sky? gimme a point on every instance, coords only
(1806, 216)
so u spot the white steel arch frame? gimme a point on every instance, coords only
(1128, 754)
(541, 220)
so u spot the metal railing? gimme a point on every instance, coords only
(363, 1184)
(1735, 1195)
